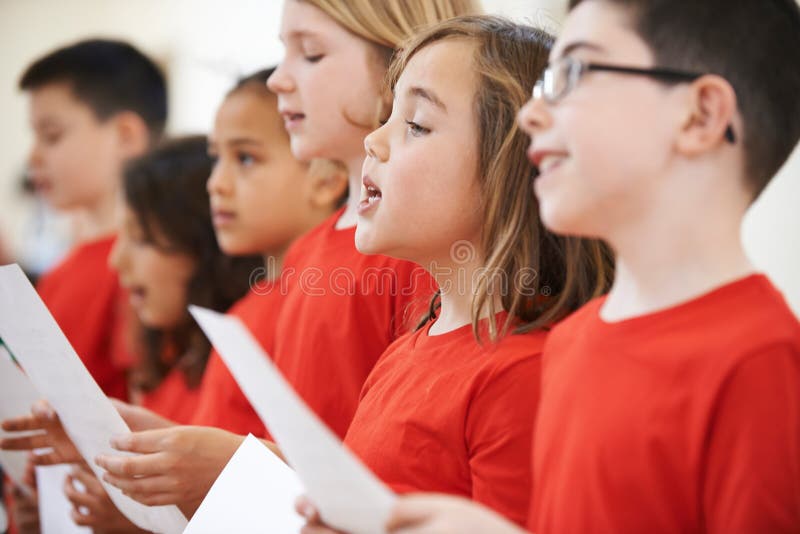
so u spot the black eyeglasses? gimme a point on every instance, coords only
(561, 77)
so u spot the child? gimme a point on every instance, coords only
(167, 257)
(333, 328)
(451, 407)
(262, 199)
(672, 405)
(94, 105)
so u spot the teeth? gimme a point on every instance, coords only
(549, 162)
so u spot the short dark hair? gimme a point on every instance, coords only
(755, 45)
(166, 190)
(108, 76)
(259, 77)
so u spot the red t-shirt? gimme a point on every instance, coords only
(445, 414)
(87, 302)
(173, 398)
(222, 402)
(342, 309)
(683, 420)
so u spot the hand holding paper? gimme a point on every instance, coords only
(55, 370)
(347, 494)
(175, 465)
(50, 435)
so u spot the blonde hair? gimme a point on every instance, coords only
(388, 23)
(540, 277)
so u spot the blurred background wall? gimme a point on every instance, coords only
(204, 45)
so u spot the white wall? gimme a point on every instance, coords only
(205, 44)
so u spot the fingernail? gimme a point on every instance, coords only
(307, 511)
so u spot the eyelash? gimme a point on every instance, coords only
(417, 130)
(314, 59)
(241, 157)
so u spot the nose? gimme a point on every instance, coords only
(534, 116)
(375, 144)
(281, 80)
(219, 183)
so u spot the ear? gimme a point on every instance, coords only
(133, 136)
(712, 110)
(328, 183)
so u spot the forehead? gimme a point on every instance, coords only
(56, 100)
(607, 26)
(249, 110)
(301, 19)
(444, 67)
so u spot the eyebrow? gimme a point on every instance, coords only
(579, 45)
(428, 95)
(242, 141)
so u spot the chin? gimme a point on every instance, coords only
(365, 241)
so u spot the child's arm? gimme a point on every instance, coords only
(752, 478)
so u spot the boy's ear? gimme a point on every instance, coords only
(712, 109)
(328, 183)
(132, 133)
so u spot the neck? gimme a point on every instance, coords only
(99, 219)
(350, 216)
(273, 263)
(676, 252)
(458, 284)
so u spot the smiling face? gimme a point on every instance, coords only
(259, 192)
(603, 151)
(156, 278)
(328, 85)
(421, 190)
(74, 160)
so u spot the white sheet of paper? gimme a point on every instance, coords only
(17, 395)
(349, 496)
(54, 507)
(50, 362)
(254, 494)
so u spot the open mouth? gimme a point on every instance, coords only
(291, 119)
(222, 217)
(137, 295)
(370, 196)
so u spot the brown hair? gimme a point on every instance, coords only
(539, 276)
(166, 189)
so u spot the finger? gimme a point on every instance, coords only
(144, 442)
(155, 499)
(412, 510)
(19, 424)
(317, 529)
(82, 519)
(25, 443)
(307, 510)
(134, 466)
(51, 458)
(42, 410)
(78, 498)
(142, 486)
(89, 481)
